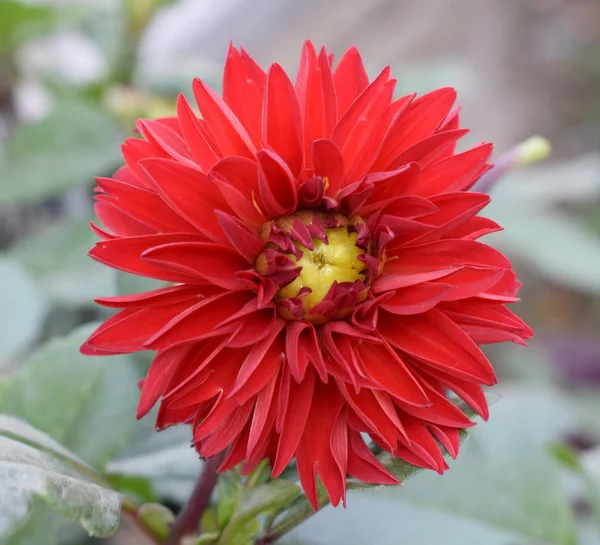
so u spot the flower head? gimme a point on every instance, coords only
(318, 241)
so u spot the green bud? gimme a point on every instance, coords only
(533, 150)
(157, 518)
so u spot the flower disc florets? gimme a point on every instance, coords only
(320, 263)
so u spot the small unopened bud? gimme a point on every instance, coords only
(531, 151)
(139, 13)
(157, 518)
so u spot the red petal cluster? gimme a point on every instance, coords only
(189, 207)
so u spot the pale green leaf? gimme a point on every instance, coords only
(22, 311)
(58, 258)
(166, 459)
(556, 245)
(85, 403)
(26, 472)
(370, 518)
(68, 148)
(44, 526)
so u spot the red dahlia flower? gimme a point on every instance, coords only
(318, 241)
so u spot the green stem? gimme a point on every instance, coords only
(300, 511)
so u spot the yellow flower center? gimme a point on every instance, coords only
(326, 264)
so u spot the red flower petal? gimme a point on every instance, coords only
(159, 297)
(187, 191)
(454, 173)
(316, 96)
(247, 243)
(444, 254)
(359, 107)
(386, 367)
(419, 121)
(243, 91)
(125, 254)
(282, 125)
(428, 150)
(228, 132)
(363, 465)
(329, 164)
(119, 222)
(276, 185)
(142, 205)
(199, 321)
(168, 140)
(203, 148)
(416, 299)
(238, 183)
(350, 78)
(159, 374)
(294, 404)
(215, 263)
(437, 341)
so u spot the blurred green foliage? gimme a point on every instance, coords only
(63, 151)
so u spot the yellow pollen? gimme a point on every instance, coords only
(327, 263)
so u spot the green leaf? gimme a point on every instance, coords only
(276, 495)
(22, 311)
(138, 488)
(33, 465)
(373, 519)
(20, 21)
(543, 185)
(566, 456)
(18, 430)
(267, 498)
(165, 459)
(87, 404)
(58, 258)
(44, 526)
(261, 474)
(228, 488)
(76, 142)
(558, 246)
(503, 488)
(504, 477)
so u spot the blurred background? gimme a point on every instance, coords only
(74, 76)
